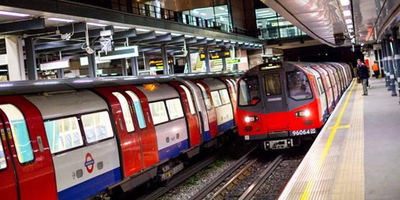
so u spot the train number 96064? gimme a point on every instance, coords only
(304, 132)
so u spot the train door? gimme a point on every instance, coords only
(25, 161)
(320, 85)
(275, 101)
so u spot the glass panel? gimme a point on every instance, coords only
(158, 112)
(20, 133)
(3, 163)
(273, 84)
(138, 109)
(320, 86)
(190, 99)
(216, 99)
(224, 96)
(249, 91)
(97, 126)
(125, 111)
(63, 134)
(298, 85)
(207, 101)
(174, 108)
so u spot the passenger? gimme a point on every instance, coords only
(375, 68)
(303, 91)
(363, 74)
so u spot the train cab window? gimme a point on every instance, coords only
(97, 126)
(224, 96)
(298, 85)
(273, 84)
(19, 132)
(249, 93)
(63, 134)
(3, 163)
(158, 112)
(174, 108)
(125, 111)
(216, 99)
(138, 109)
(190, 99)
(207, 101)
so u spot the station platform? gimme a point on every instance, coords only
(357, 153)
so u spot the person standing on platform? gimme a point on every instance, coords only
(363, 74)
(375, 68)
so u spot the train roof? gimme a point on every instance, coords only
(51, 85)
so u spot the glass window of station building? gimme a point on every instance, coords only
(273, 26)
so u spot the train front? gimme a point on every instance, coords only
(278, 105)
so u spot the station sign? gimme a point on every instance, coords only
(216, 55)
(3, 59)
(59, 64)
(158, 63)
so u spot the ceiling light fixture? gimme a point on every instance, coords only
(122, 27)
(142, 30)
(345, 2)
(347, 13)
(95, 24)
(161, 32)
(176, 34)
(60, 19)
(8, 13)
(349, 21)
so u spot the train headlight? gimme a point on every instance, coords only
(249, 119)
(303, 113)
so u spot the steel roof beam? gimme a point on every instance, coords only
(77, 28)
(18, 26)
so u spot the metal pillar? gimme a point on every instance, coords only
(135, 66)
(15, 58)
(60, 73)
(92, 65)
(188, 64)
(390, 66)
(385, 64)
(223, 64)
(124, 70)
(31, 58)
(207, 59)
(396, 48)
(165, 59)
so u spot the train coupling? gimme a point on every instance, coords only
(278, 144)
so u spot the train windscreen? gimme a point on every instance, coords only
(298, 85)
(249, 93)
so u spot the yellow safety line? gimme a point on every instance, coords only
(310, 184)
(340, 127)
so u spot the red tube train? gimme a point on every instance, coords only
(281, 103)
(80, 138)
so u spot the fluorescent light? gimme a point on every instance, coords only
(60, 20)
(210, 38)
(95, 24)
(189, 36)
(349, 21)
(200, 37)
(195, 12)
(176, 34)
(345, 2)
(347, 13)
(161, 32)
(2, 12)
(121, 27)
(83, 81)
(142, 30)
(350, 26)
(218, 40)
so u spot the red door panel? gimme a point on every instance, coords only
(193, 121)
(148, 137)
(8, 186)
(129, 142)
(36, 179)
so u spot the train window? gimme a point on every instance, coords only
(207, 101)
(273, 84)
(298, 85)
(249, 93)
(125, 111)
(63, 134)
(158, 112)
(320, 85)
(189, 98)
(174, 108)
(224, 96)
(97, 126)
(3, 163)
(138, 109)
(216, 99)
(19, 132)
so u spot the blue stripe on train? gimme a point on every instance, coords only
(225, 126)
(92, 186)
(173, 150)
(207, 136)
